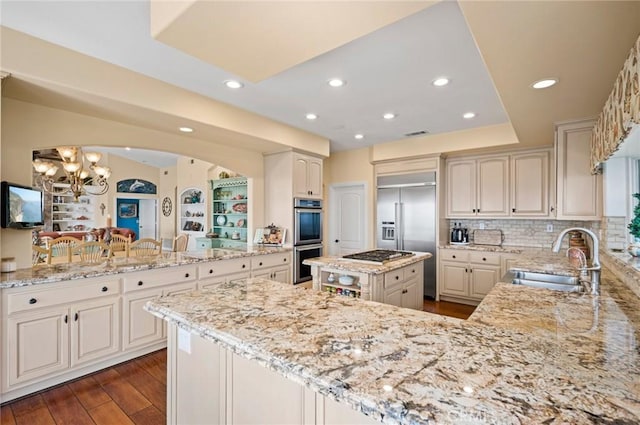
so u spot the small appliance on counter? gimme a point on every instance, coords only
(459, 235)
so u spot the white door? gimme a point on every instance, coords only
(148, 214)
(347, 219)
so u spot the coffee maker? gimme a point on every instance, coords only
(459, 234)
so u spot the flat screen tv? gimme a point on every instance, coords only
(22, 206)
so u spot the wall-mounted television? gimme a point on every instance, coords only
(22, 206)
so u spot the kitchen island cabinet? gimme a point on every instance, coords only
(397, 365)
(398, 282)
(63, 321)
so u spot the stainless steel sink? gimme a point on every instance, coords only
(546, 281)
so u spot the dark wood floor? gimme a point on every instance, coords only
(134, 392)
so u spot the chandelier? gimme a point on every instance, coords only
(79, 180)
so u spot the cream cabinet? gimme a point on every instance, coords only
(478, 187)
(53, 329)
(401, 287)
(307, 176)
(530, 184)
(467, 276)
(217, 272)
(579, 193)
(273, 267)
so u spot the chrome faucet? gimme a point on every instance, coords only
(595, 256)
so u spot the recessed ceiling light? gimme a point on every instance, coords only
(186, 129)
(439, 82)
(389, 116)
(543, 84)
(127, 148)
(468, 115)
(359, 136)
(311, 117)
(233, 84)
(336, 82)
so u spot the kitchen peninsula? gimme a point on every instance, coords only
(526, 356)
(63, 321)
(397, 281)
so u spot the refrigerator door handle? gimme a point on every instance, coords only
(398, 226)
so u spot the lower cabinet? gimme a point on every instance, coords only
(404, 295)
(272, 267)
(208, 384)
(467, 277)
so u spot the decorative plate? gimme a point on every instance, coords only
(221, 220)
(240, 223)
(166, 206)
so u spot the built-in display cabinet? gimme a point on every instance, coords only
(229, 212)
(193, 214)
(70, 216)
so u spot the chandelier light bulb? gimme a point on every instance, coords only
(84, 174)
(71, 167)
(41, 166)
(67, 152)
(93, 157)
(52, 171)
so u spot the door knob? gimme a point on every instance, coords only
(337, 240)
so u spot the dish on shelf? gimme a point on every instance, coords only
(346, 280)
(221, 220)
(240, 223)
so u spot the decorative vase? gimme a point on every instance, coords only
(331, 278)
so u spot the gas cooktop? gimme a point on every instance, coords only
(378, 256)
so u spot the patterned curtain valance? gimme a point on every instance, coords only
(620, 113)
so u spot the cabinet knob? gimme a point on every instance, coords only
(397, 277)
(66, 319)
(140, 283)
(484, 259)
(552, 209)
(186, 275)
(33, 301)
(470, 270)
(474, 210)
(478, 209)
(243, 266)
(260, 263)
(337, 240)
(285, 260)
(413, 270)
(75, 317)
(210, 271)
(453, 256)
(513, 210)
(466, 270)
(104, 289)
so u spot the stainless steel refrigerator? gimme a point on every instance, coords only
(406, 218)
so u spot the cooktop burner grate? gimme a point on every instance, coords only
(379, 256)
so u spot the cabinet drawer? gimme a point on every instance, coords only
(485, 258)
(394, 277)
(28, 299)
(454, 255)
(223, 267)
(271, 260)
(153, 278)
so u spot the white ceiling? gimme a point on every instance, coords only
(389, 70)
(491, 50)
(143, 156)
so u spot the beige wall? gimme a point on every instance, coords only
(28, 126)
(167, 188)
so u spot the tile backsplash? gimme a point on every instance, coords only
(526, 232)
(614, 233)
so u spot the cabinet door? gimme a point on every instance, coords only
(140, 327)
(282, 274)
(579, 193)
(300, 176)
(530, 184)
(493, 187)
(95, 330)
(314, 177)
(482, 279)
(37, 344)
(453, 279)
(410, 298)
(461, 188)
(393, 296)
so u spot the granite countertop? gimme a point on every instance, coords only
(510, 249)
(526, 355)
(340, 263)
(59, 272)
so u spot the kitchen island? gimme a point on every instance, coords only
(62, 321)
(397, 282)
(527, 356)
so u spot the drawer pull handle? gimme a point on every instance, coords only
(186, 275)
(210, 271)
(33, 301)
(474, 210)
(513, 210)
(453, 256)
(413, 270)
(260, 263)
(66, 319)
(75, 318)
(484, 259)
(466, 270)
(140, 283)
(244, 265)
(285, 260)
(397, 277)
(105, 289)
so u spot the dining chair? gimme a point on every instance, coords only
(62, 249)
(39, 255)
(92, 252)
(145, 247)
(120, 245)
(180, 243)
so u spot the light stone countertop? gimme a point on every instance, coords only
(526, 356)
(347, 265)
(59, 272)
(509, 249)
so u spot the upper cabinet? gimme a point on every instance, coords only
(498, 186)
(478, 187)
(579, 193)
(307, 176)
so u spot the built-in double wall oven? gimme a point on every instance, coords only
(307, 236)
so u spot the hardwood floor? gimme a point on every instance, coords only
(131, 393)
(445, 308)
